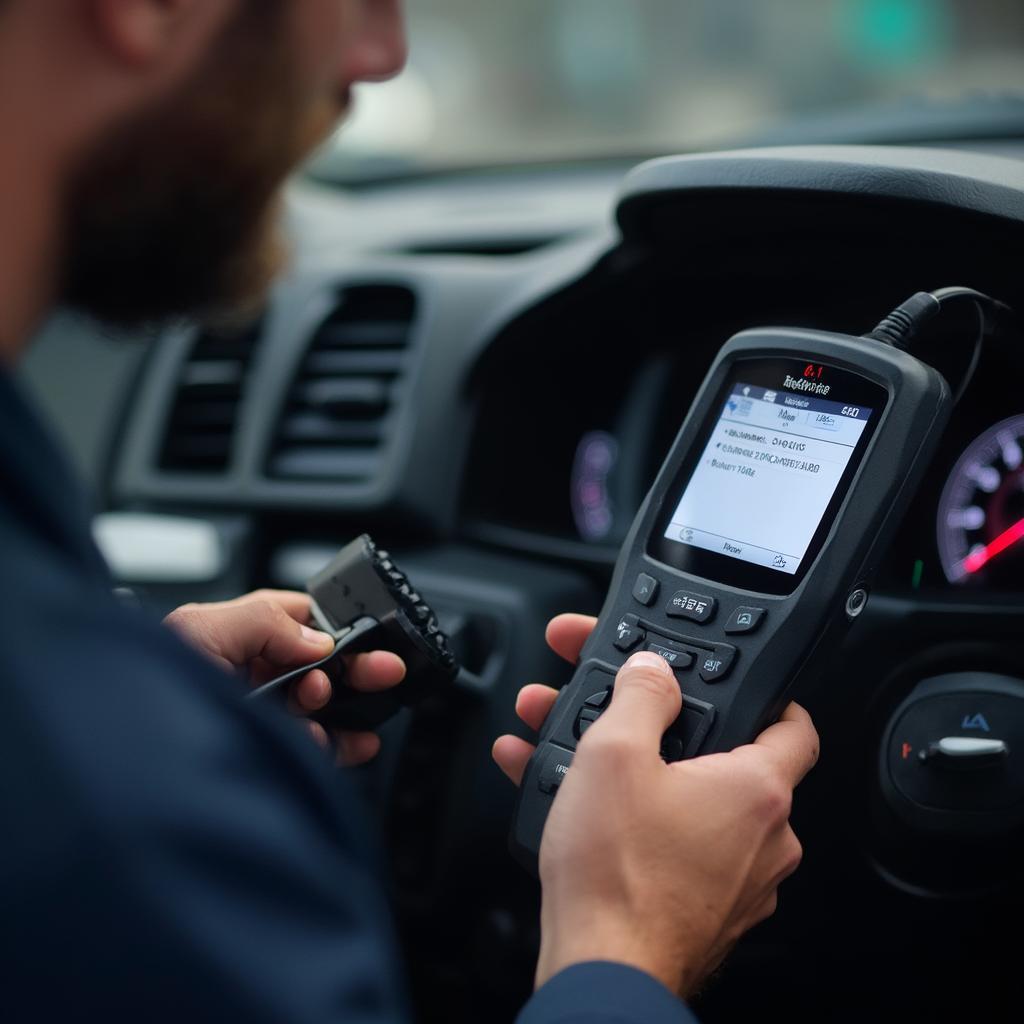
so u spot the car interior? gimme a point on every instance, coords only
(487, 338)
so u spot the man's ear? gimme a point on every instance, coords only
(140, 32)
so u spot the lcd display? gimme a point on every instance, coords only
(767, 474)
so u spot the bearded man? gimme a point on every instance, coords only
(171, 852)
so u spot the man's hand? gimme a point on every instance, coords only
(674, 862)
(265, 633)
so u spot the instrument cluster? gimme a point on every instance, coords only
(980, 519)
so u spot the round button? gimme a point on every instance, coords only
(856, 602)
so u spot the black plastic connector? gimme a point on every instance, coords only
(366, 603)
(903, 324)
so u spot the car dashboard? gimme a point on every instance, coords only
(484, 371)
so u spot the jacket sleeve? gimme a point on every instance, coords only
(179, 854)
(604, 993)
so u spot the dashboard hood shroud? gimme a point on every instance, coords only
(664, 197)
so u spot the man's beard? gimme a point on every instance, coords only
(175, 213)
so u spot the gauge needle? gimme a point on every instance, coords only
(976, 559)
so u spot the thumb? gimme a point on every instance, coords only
(238, 634)
(645, 702)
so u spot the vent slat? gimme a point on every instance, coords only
(306, 428)
(335, 423)
(326, 364)
(359, 397)
(200, 431)
(325, 464)
(218, 373)
(363, 335)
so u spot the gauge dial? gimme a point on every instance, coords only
(981, 512)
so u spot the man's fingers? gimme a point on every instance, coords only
(262, 629)
(793, 741)
(377, 670)
(294, 602)
(319, 734)
(566, 635)
(356, 748)
(645, 701)
(534, 704)
(312, 692)
(511, 754)
(353, 748)
(368, 673)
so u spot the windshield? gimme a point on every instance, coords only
(500, 81)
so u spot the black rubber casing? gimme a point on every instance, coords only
(367, 603)
(363, 582)
(795, 636)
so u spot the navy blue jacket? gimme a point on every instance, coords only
(170, 852)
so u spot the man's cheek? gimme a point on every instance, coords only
(324, 31)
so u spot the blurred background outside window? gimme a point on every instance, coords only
(504, 81)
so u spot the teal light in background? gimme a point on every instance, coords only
(898, 33)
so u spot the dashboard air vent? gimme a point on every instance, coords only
(338, 413)
(201, 426)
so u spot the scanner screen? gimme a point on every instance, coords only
(767, 475)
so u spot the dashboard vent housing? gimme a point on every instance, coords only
(512, 245)
(200, 432)
(338, 415)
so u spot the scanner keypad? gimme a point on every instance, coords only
(688, 732)
(682, 739)
(714, 660)
(628, 633)
(685, 604)
(716, 665)
(553, 771)
(645, 590)
(745, 619)
(677, 656)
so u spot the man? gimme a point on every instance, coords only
(171, 852)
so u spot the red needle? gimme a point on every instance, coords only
(976, 559)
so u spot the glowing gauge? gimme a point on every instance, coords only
(981, 512)
(592, 507)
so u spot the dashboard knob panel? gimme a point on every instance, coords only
(952, 758)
